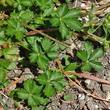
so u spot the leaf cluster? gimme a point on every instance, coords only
(88, 56)
(37, 94)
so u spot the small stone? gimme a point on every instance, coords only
(108, 96)
(108, 78)
(81, 96)
(87, 81)
(105, 87)
(96, 106)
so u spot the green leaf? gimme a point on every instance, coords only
(66, 19)
(46, 44)
(52, 80)
(15, 26)
(29, 85)
(64, 30)
(86, 66)
(62, 11)
(44, 4)
(52, 55)
(26, 15)
(72, 13)
(71, 67)
(4, 63)
(48, 11)
(82, 54)
(2, 41)
(58, 86)
(2, 75)
(88, 47)
(32, 102)
(42, 62)
(44, 77)
(73, 24)
(27, 3)
(96, 65)
(49, 91)
(67, 97)
(55, 21)
(12, 66)
(11, 53)
(39, 108)
(36, 100)
(97, 53)
(23, 94)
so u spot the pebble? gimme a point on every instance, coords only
(105, 87)
(108, 96)
(108, 78)
(81, 96)
(87, 81)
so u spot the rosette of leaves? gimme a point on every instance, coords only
(32, 93)
(15, 28)
(47, 6)
(66, 19)
(43, 52)
(22, 4)
(52, 81)
(23, 16)
(88, 56)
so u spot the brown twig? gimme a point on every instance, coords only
(45, 35)
(89, 77)
(79, 86)
(13, 83)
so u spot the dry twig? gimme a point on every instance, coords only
(99, 98)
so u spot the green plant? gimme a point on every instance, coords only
(52, 81)
(32, 92)
(88, 56)
(67, 97)
(20, 44)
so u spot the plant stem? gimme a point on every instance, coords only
(47, 30)
(45, 35)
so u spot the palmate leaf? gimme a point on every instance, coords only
(53, 81)
(44, 4)
(82, 54)
(15, 27)
(2, 75)
(71, 67)
(11, 53)
(49, 91)
(64, 30)
(88, 47)
(86, 66)
(96, 65)
(88, 57)
(73, 24)
(97, 53)
(42, 53)
(65, 18)
(32, 93)
(47, 44)
(23, 94)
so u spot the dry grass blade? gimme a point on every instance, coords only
(13, 83)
